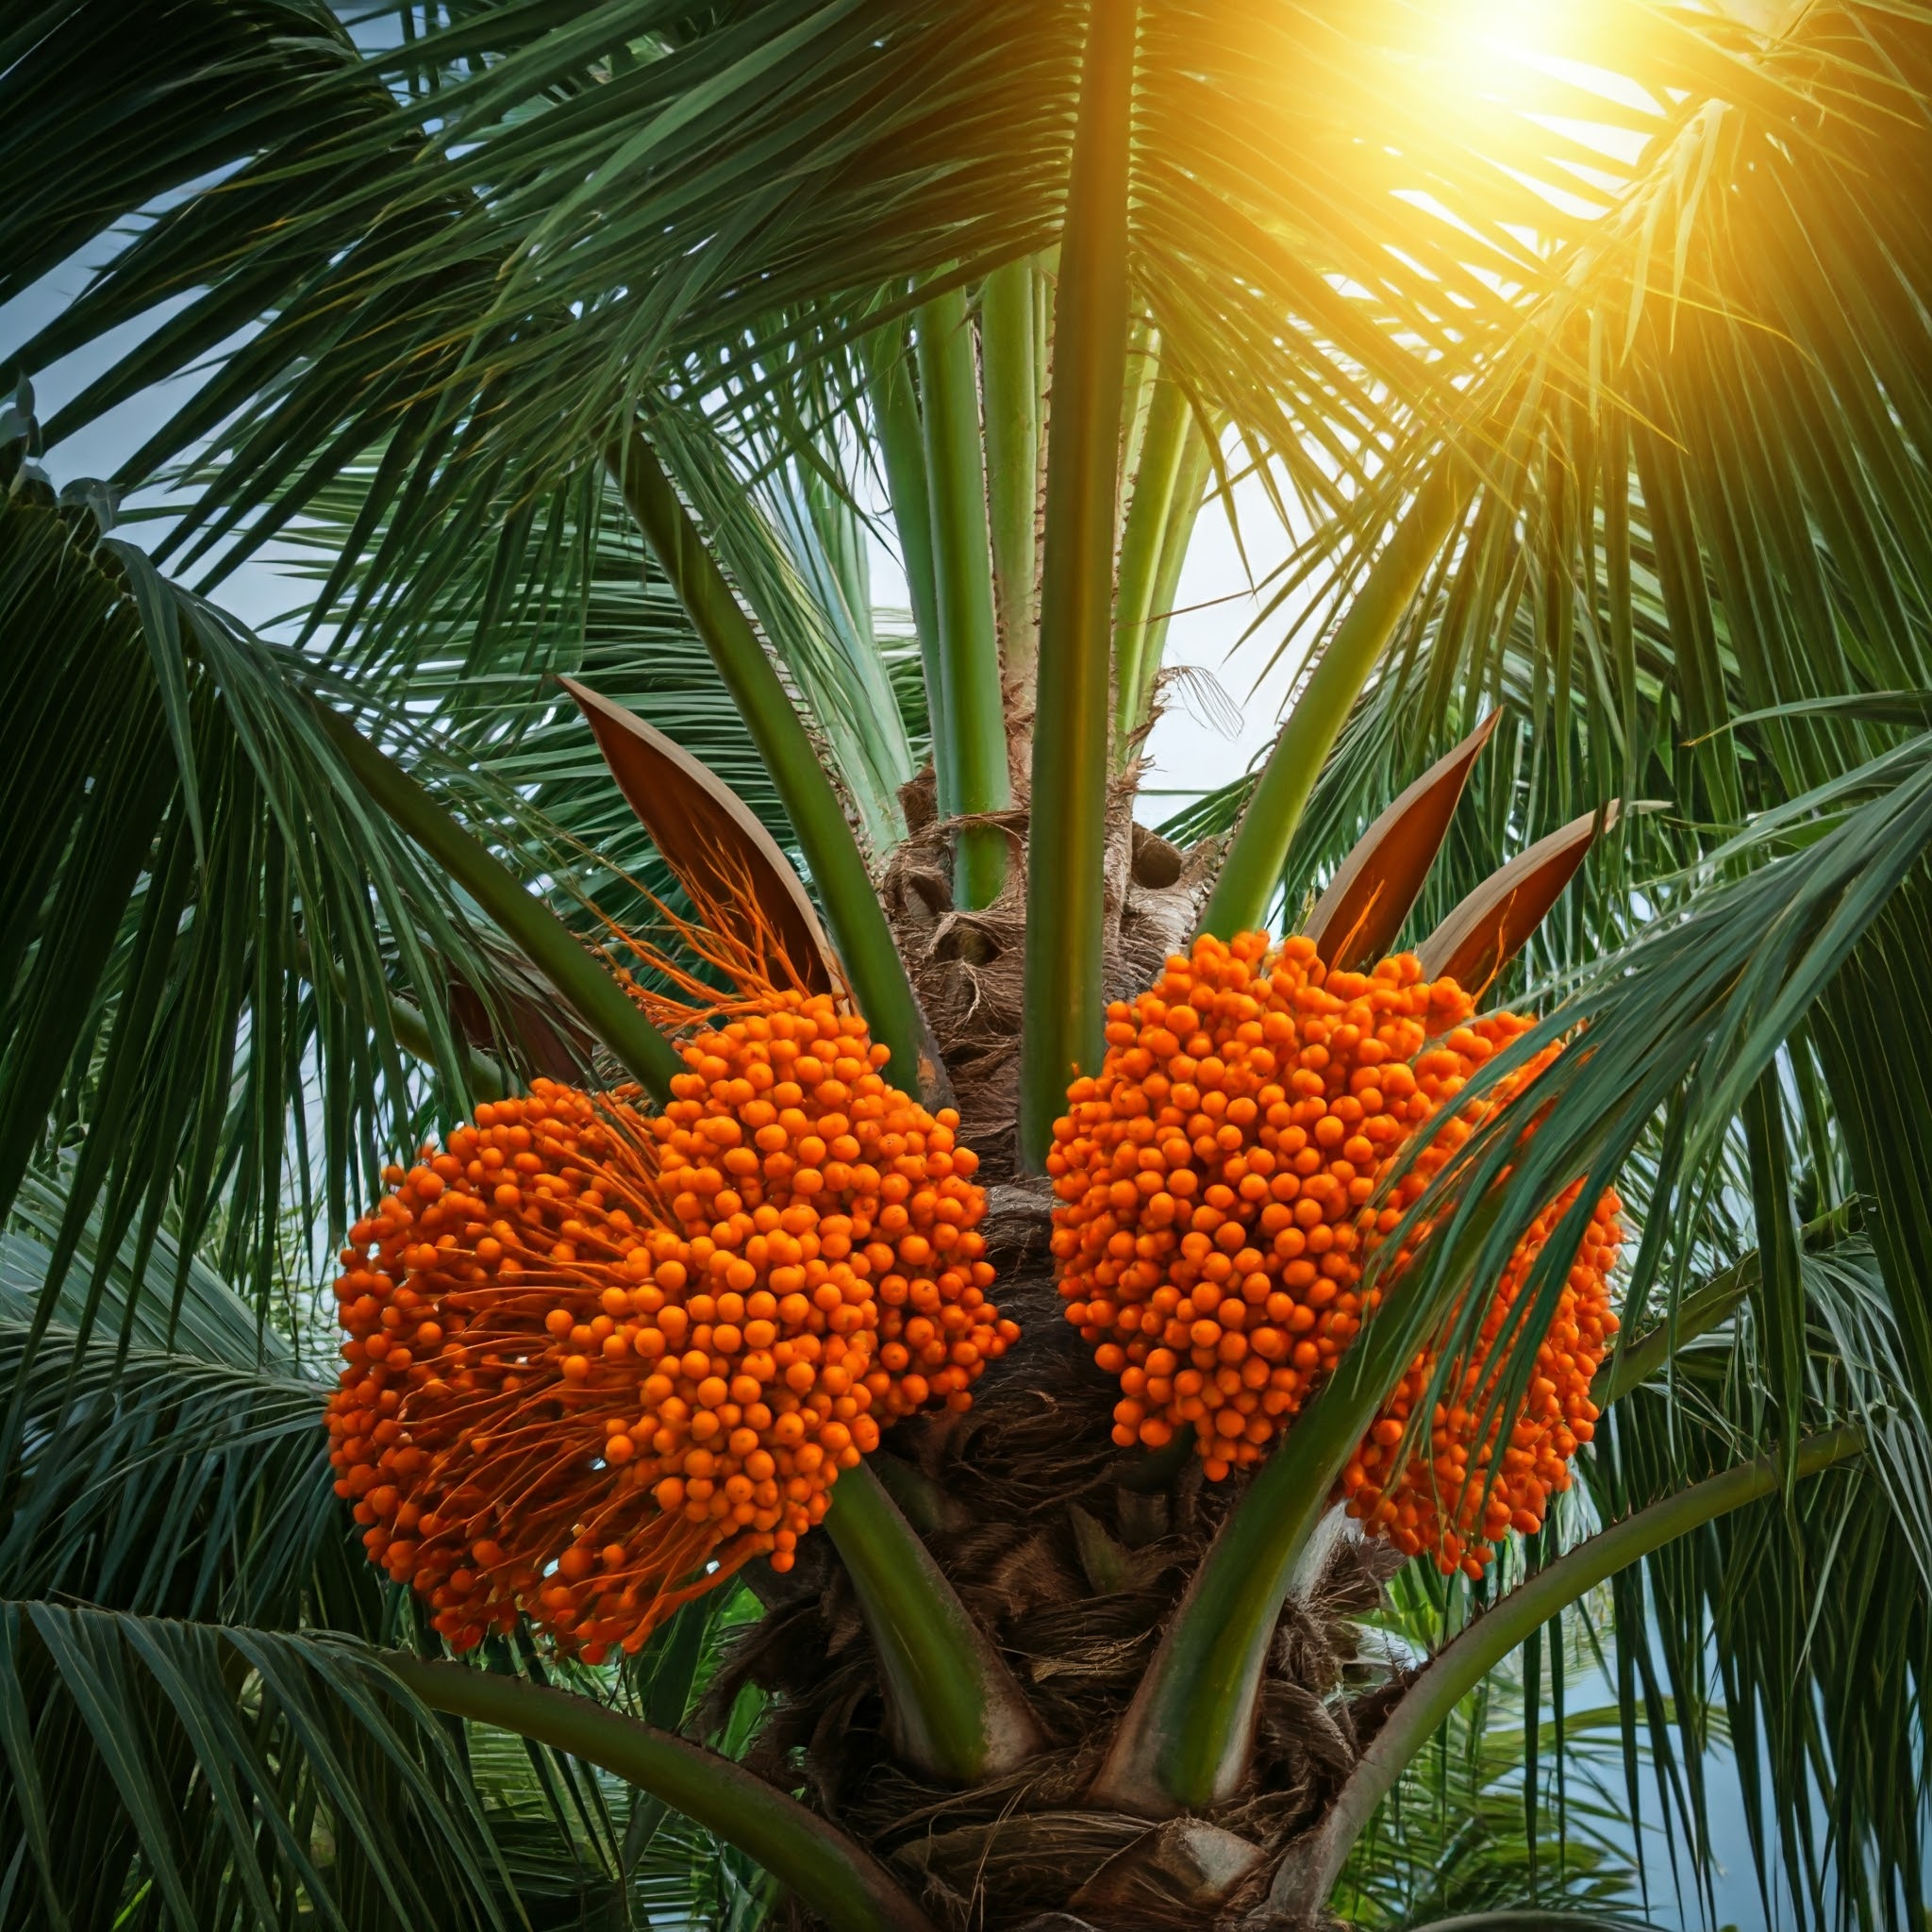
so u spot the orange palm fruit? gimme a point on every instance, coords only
(596, 1359)
(1224, 1177)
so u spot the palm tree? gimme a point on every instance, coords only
(585, 343)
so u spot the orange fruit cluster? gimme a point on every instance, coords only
(786, 1114)
(597, 1359)
(1451, 1497)
(1221, 1183)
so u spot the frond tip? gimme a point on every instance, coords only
(598, 1359)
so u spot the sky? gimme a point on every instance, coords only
(1223, 699)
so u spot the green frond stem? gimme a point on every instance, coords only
(1252, 870)
(1067, 835)
(1009, 381)
(1185, 1740)
(1456, 1670)
(926, 1504)
(952, 1704)
(1137, 395)
(482, 1075)
(1710, 1306)
(549, 945)
(1195, 468)
(848, 1888)
(843, 539)
(844, 887)
(1149, 514)
(971, 744)
(1045, 295)
(902, 449)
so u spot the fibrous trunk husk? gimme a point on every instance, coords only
(1073, 1574)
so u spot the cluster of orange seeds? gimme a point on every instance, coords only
(786, 1129)
(597, 1359)
(1452, 1498)
(1220, 1184)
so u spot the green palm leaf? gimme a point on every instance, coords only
(202, 920)
(730, 180)
(211, 1763)
(158, 1483)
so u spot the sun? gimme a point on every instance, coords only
(1517, 27)
(1504, 45)
(1569, 76)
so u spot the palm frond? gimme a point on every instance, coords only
(188, 1309)
(526, 229)
(1719, 444)
(1799, 1624)
(236, 1775)
(206, 927)
(1708, 996)
(163, 1483)
(171, 1457)
(1457, 1838)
